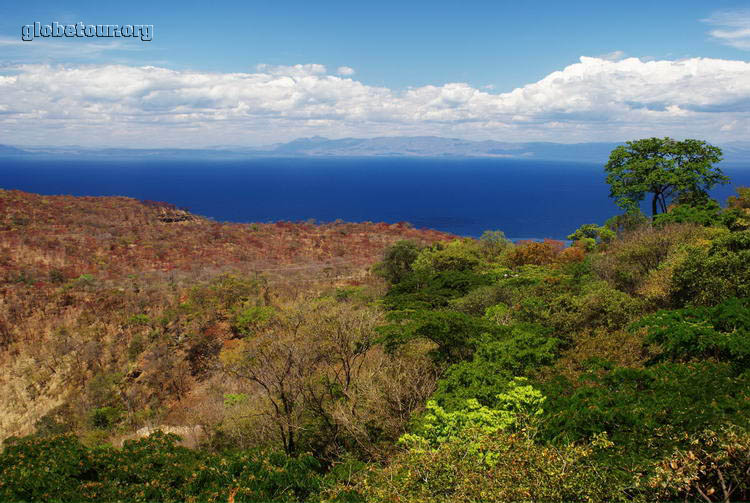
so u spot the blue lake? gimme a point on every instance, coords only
(524, 199)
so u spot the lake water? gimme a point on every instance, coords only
(524, 199)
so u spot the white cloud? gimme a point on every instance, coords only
(596, 99)
(733, 28)
(345, 71)
(292, 71)
(613, 56)
(57, 48)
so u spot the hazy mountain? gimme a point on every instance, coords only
(8, 150)
(386, 146)
(433, 146)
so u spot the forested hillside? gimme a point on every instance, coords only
(371, 362)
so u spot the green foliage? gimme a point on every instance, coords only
(706, 213)
(352, 293)
(499, 313)
(493, 243)
(629, 221)
(598, 233)
(105, 417)
(721, 333)
(478, 300)
(55, 422)
(596, 305)
(631, 261)
(524, 349)
(493, 468)
(737, 214)
(736, 219)
(641, 408)
(250, 319)
(67, 465)
(420, 290)
(519, 403)
(103, 389)
(707, 277)
(234, 399)
(139, 320)
(397, 261)
(741, 200)
(477, 379)
(136, 347)
(459, 255)
(150, 469)
(664, 168)
(454, 334)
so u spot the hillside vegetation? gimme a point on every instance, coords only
(293, 367)
(131, 301)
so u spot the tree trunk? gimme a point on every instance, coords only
(654, 201)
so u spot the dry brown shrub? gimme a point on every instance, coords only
(534, 253)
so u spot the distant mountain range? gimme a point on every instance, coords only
(387, 146)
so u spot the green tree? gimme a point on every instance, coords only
(397, 261)
(593, 231)
(520, 403)
(492, 243)
(664, 168)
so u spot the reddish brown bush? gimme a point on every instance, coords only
(535, 253)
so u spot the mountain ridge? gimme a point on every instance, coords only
(383, 146)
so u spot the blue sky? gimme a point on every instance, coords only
(490, 48)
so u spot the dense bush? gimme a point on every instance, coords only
(397, 261)
(420, 290)
(709, 276)
(721, 333)
(151, 469)
(459, 255)
(642, 409)
(491, 468)
(627, 222)
(629, 262)
(516, 407)
(600, 234)
(706, 213)
(493, 243)
(523, 350)
(455, 335)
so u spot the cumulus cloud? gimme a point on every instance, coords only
(733, 28)
(345, 71)
(596, 99)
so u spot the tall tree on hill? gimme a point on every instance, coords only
(666, 168)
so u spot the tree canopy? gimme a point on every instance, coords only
(665, 168)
